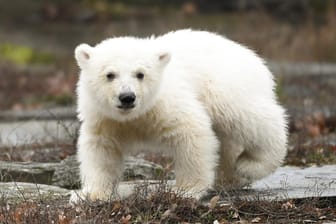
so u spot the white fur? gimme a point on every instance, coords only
(207, 101)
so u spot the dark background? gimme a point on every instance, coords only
(37, 37)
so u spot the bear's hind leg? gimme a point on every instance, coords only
(239, 167)
(250, 168)
(229, 153)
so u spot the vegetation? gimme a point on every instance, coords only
(24, 55)
(165, 207)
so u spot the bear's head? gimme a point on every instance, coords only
(121, 77)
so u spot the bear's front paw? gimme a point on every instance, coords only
(190, 192)
(77, 197)
(241, 179)
(83, 196)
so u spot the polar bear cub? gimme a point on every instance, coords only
(197, 96)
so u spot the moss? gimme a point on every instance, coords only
(279, 88)
(319, 6)
(24, 55)
(62, 99)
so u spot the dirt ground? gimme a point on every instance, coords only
(163, 207)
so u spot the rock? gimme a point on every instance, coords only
(27, 172)
(302, 69)
(295, 182)
(141, 169)
(60, 113)
(66, 173)
(17, 191)
(287, 182)
(37, 132)
(20, 191)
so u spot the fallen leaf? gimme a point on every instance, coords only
(319, 119)
(166, 214)
(288, 205)
(256, 219)
(116, 206)
(313, 130)
(125, 220)
(213, 202)
(235, 215)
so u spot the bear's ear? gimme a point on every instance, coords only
(83, 53)
(164, 57)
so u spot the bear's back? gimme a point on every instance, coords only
(206, 59)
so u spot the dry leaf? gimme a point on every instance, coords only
(166, 214)
(288, 205)
(213, 202)
(256, 219)
(313, 130)
(319, 119)
(125, 220)
(116, 206)
(235, 215)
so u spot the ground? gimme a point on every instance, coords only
(167, 208)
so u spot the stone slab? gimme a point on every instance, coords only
(37, 132)
(19, 191)
(296, 182)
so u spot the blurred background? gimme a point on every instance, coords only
(38, 72)
(37, 37)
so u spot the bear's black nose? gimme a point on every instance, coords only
(127, 98)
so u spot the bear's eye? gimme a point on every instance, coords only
(140, 75)
(110, 76)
